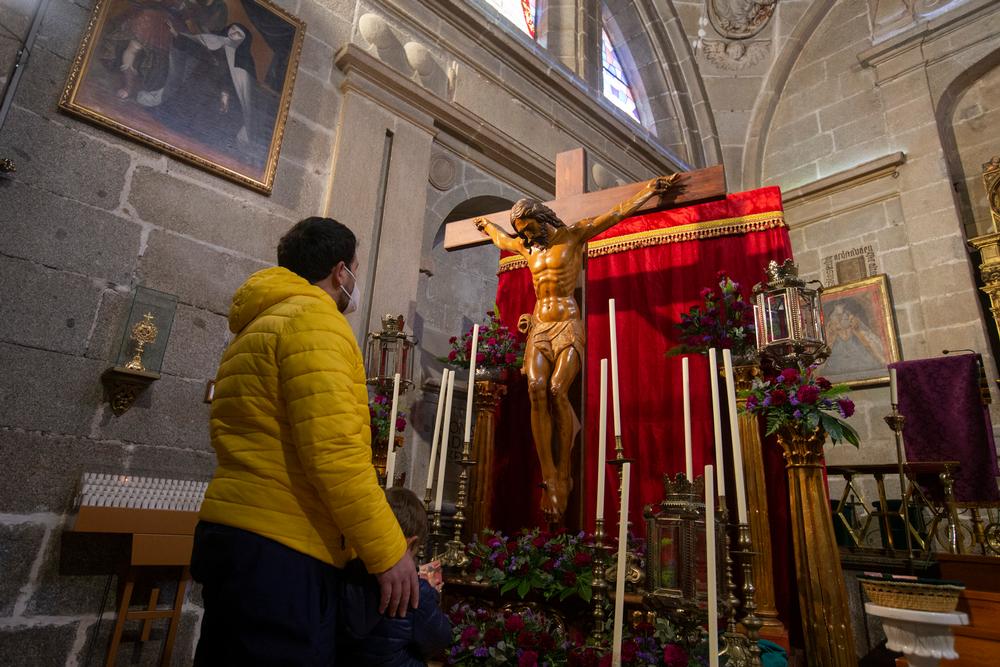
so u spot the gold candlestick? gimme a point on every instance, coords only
(751, 622)
(600, 584)
(736, 645)
(454, 554)
(895, 422)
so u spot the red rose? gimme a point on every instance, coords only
(539, 541)
(480, 357)
(452, 355)
(476, 563)
(628, 650)
(674, 656)
(528, 659)
(469, 634)
(510, 358)
(581, 559)
(808, 394)
(501, 560)
(453, 340)
(823, 383)
(789, 375)
(546, 642)
(778, 397)
(526, 638)
(846, 406)
(569, 578)
(514, 623)
(491, 341)
(549, 565)
(492, 636)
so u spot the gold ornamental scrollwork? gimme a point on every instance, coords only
(988, 245)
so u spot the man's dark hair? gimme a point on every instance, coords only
(409, 511)
(314, 246)
(532, 208)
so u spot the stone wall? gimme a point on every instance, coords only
(89, 216)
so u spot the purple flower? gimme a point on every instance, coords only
(481, 652)
(797, 414)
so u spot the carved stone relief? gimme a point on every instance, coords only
(736, 55)
(849, 265)
(740, 19)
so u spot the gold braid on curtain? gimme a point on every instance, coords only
(691, 232)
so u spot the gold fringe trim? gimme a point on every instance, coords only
(695, 231)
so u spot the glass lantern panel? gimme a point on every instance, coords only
(670, 543)
(808, 315)
(700, 565)
(777, 317)
(147, 330)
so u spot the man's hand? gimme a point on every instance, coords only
(661, 184)
(480, 224)
(399, 585)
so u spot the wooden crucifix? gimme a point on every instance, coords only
(555, 252)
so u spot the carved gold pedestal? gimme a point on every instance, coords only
(826, 621)
(488, 396)
(760, 531)
(988, 245)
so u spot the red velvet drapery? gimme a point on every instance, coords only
(654, 266)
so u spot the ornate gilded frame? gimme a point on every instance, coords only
(872, 296)
(261, 180)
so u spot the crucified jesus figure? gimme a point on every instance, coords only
(555, 335)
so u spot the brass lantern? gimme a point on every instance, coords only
(388, 352)
(789, 318)
(676, 559)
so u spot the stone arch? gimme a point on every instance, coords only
(770, 94)
(965, 183)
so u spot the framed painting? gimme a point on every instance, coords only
(205, 81)
(861, 332)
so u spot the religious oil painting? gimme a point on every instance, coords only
(861, 332)
(206, 81)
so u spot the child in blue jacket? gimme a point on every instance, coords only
(369, 638)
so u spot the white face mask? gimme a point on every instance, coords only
(354, 295)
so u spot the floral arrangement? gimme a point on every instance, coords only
(798, 398)
(531, 638)
(724, 320)
(557, 565)
(379, 408)
(526, 638)
(498, 346)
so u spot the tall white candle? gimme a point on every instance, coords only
(390, 455)
(734, 429)
(720, 468)
(472, 383)
(444, 442)
(614, 368)
(713, 602)
(688, 455)
(893, 392)
(602, 439)
(616, 647)
(437, 429)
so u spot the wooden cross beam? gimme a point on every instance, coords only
(574, 203)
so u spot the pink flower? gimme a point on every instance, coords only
(400, 423)
(452, 355)
(480, 357)
(491, 342)
(510, 358)
(469, 634)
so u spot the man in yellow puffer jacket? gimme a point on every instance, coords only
(294, 495)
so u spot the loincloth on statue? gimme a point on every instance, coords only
(551, 338)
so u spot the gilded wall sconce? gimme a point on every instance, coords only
(140, 354)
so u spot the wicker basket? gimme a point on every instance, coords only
(910, 595)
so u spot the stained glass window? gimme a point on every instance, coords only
(616, 86)
(519, 12)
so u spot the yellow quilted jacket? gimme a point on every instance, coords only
(290, 428)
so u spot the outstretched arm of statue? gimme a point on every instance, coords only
(499, 237)
(654, 187)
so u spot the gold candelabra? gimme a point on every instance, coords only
(736, 644)
(600, 583)
(751, 622)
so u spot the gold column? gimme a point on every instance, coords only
(826, 620)
(488, 395)
(988, 245)
(760, 531)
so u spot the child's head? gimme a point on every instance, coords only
(410, 514)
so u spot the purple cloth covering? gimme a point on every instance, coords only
(947, 421)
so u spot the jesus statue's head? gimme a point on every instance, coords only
(533, 222)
